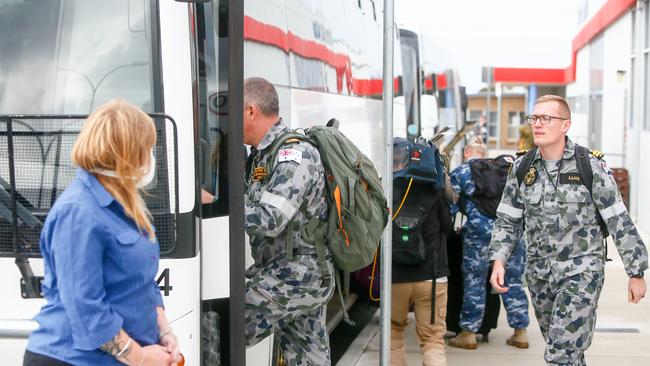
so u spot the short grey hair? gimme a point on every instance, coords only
(476, 147)
(262, 94)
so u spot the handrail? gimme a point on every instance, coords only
(17, 328)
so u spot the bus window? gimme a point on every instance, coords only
(213, 105)
(73, 56)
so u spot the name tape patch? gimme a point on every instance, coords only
(570, 178)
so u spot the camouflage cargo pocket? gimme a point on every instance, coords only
(575, 206)
(532, 196)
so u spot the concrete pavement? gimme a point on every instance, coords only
(622, 334)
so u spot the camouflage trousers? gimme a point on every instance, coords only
(476, 266)
(288, 298)
(566, 312)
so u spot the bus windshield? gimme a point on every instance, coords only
(71, 56)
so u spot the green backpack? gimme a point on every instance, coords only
(358, 211)
(357, 208)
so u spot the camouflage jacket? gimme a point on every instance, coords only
(564, 237)
(477, 226)
(275, 197)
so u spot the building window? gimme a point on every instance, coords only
(646, 108)
(632, 104)
(646, 41)
(474, 115)
(583, 12)
(492, 125)
(646, 70)
(514, 122)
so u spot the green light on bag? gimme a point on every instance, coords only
(405, 238)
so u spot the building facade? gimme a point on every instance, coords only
(503, 135)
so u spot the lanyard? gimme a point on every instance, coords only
(550, 178)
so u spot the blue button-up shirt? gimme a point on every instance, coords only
(99, 277)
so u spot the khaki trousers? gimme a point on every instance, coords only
(430, 336)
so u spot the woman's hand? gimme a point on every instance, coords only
(168, 339)
(170, 342)
(155, 355)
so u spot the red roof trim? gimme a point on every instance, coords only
(606, 16)
(532, 76)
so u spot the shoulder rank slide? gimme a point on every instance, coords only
(597, 154)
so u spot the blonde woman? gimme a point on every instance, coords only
(101, 254)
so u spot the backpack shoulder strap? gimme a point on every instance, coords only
(587, 174)
(584, 166)
(526, 161)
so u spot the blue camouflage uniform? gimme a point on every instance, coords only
(565, 251)
(286, 295)
(476, 234)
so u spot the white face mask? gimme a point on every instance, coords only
(146, 179)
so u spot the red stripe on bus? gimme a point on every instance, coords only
(441, 80)
(428, 84)
(289, 42)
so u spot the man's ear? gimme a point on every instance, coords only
(566, 126)
(249, 111)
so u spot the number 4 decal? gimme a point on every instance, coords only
(165, 288)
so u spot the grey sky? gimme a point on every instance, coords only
(505, 33)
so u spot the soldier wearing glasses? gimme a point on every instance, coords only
(566, 255)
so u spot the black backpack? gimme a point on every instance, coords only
(584, 168)
(489, 176)
(409, 247)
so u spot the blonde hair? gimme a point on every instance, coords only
(477, 146)
(561, 102)
(119, 136)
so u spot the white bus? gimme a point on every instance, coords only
(183, 62)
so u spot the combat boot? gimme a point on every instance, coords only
(465, 339)
(519, 339)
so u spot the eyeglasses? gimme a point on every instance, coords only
(543, 118)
